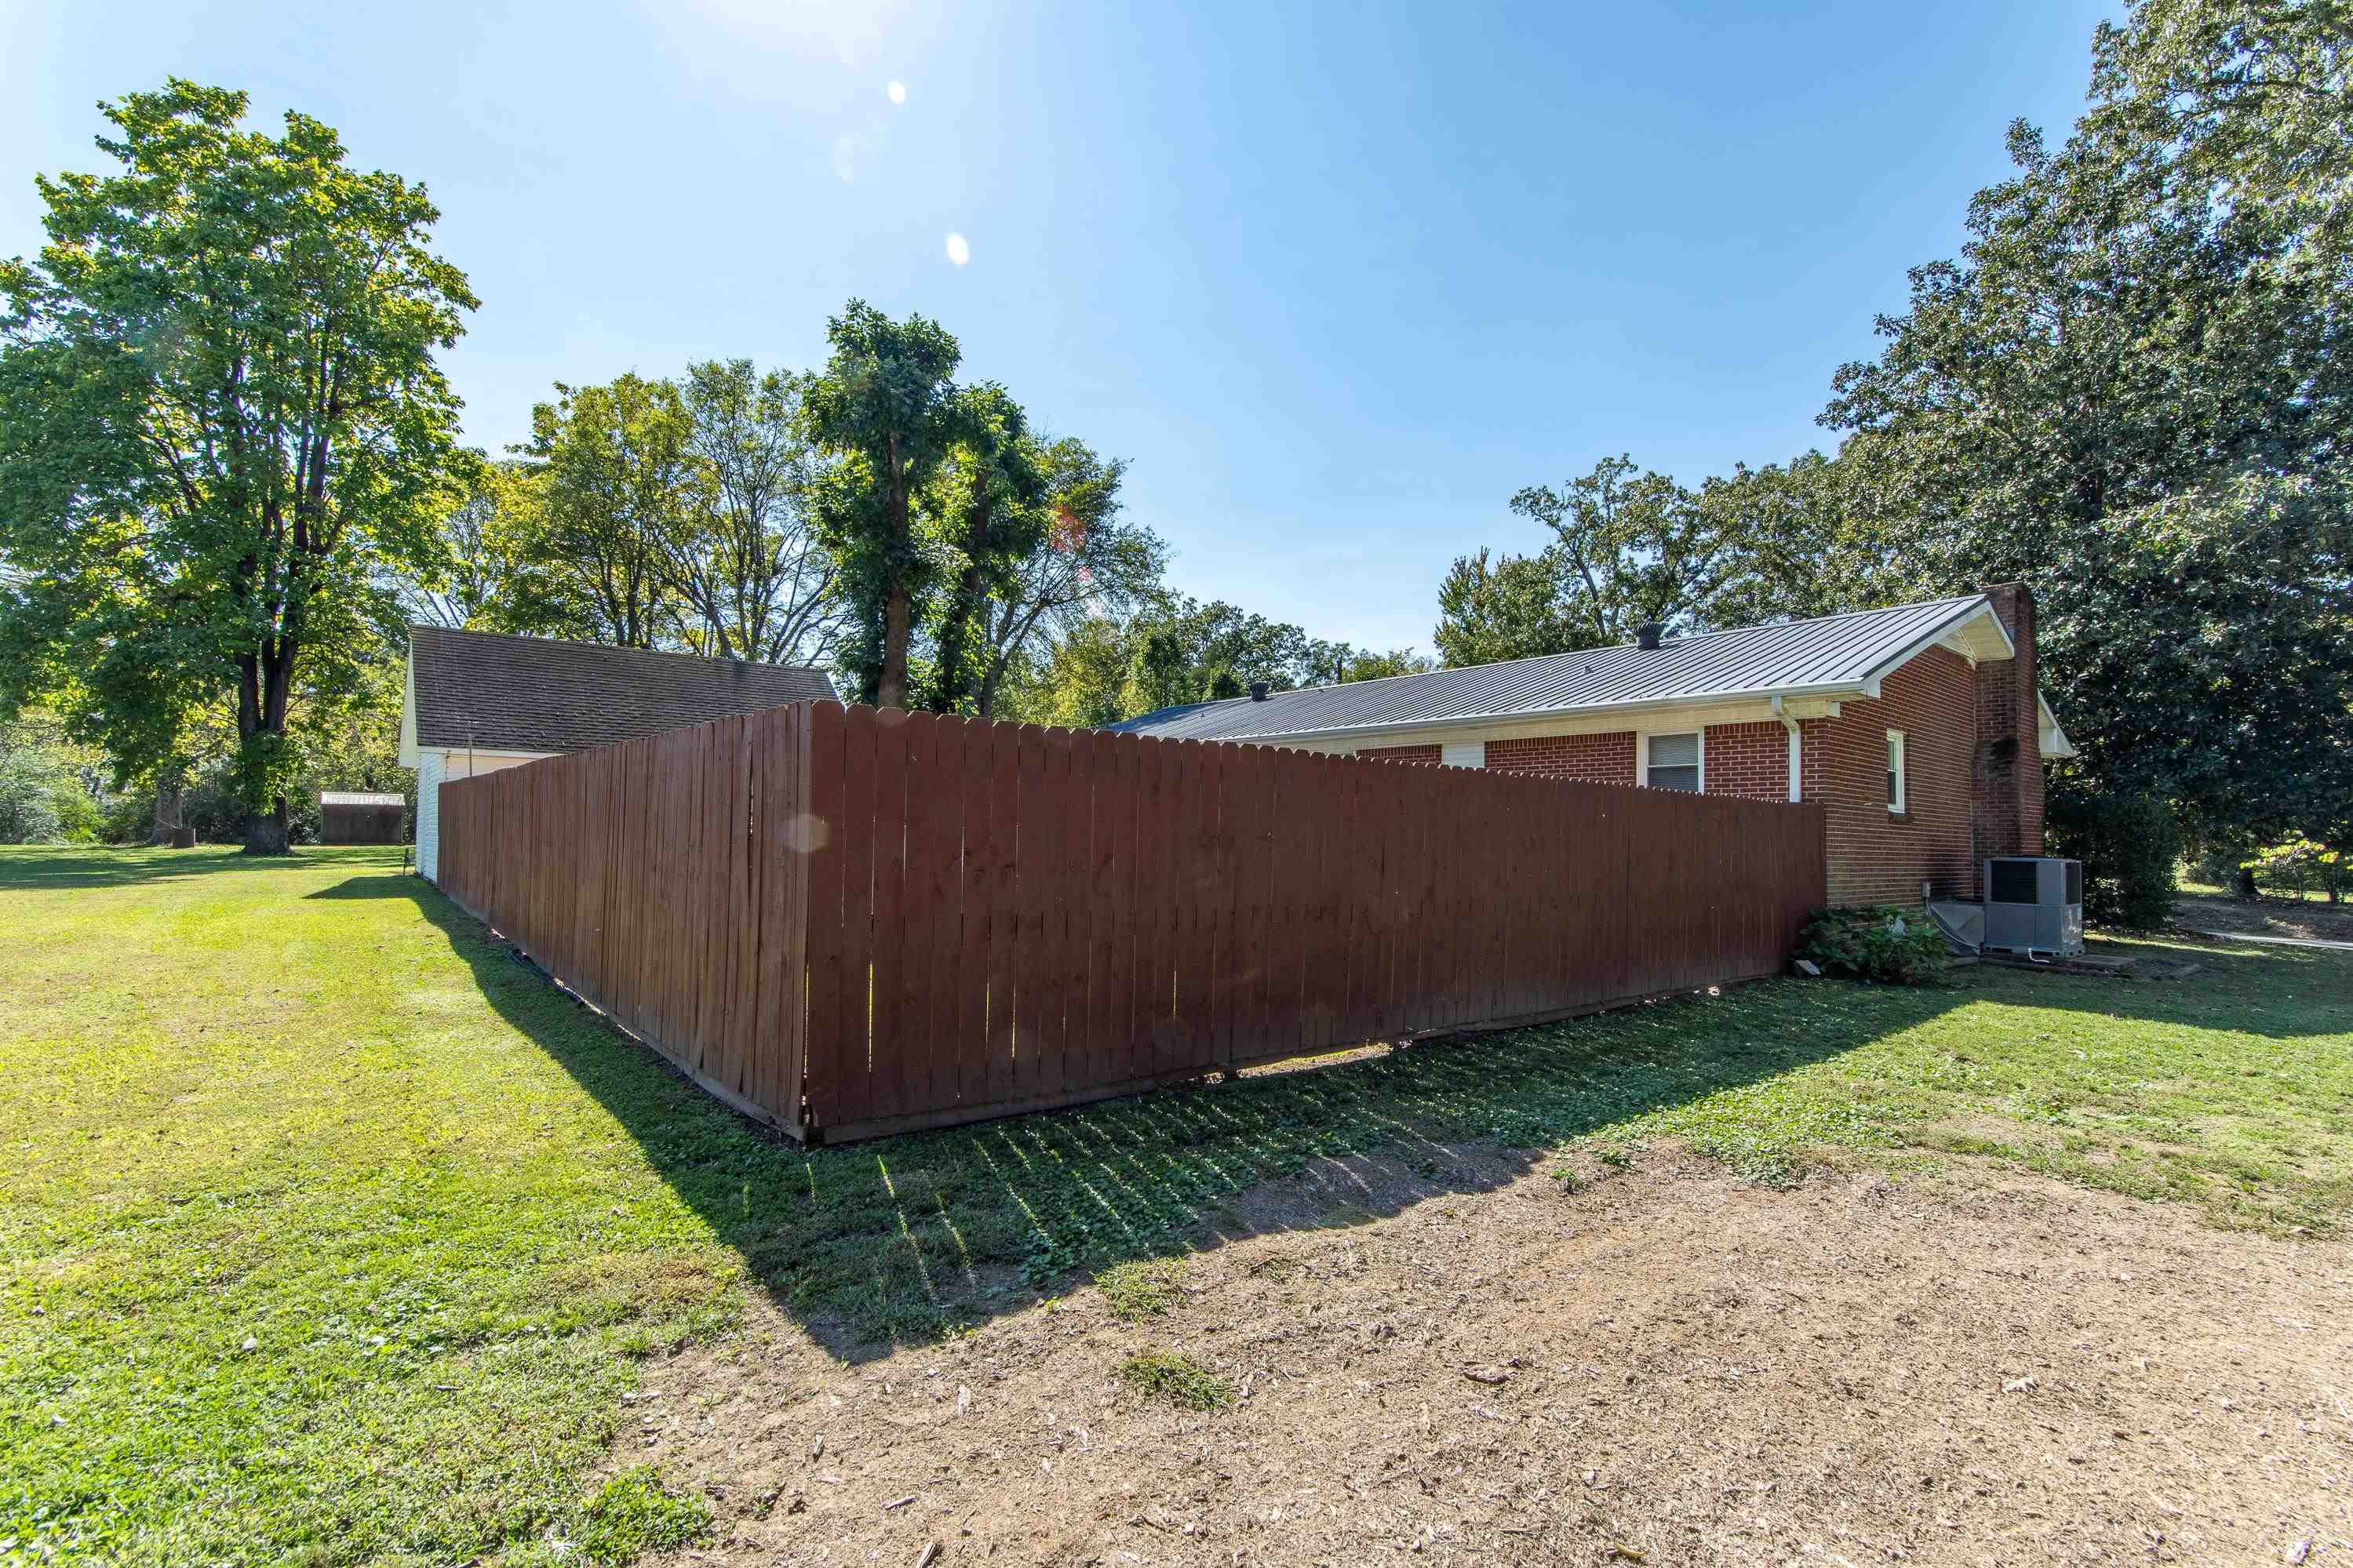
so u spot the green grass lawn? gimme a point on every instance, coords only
(332, 1234)
(2272, 894)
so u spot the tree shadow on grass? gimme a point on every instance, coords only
(379, 885)
(34, 868)
(899, 1239)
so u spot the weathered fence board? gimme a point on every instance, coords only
(849, 922)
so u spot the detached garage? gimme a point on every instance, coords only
(350, 816)
(480, 701)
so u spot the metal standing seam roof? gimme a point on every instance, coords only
(501, 692)
(359, 797)
(1832, 653)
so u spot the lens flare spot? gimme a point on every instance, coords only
(958, 252)
(897, 91)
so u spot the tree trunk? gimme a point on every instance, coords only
(168, 808)
(891, 686)
(268, 833)
(2244, 884)
(948, 680)
(265, 689)
(965, 606)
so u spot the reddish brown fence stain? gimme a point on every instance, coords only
(852, 921)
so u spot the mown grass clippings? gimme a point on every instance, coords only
(1178, 1380)
(1142, 1286)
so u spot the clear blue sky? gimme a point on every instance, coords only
(1337, 282)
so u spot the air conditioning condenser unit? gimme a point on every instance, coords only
(2034, 903)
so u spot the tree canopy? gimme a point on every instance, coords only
(886, 410)
(223, 433)
(2132, 392)
(1088, 562)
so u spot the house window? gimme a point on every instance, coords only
(1896, 780)
(1671, 762)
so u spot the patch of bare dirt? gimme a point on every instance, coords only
(2266, 917)
(1659, 1365)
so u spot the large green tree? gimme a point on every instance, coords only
(481, 578)
(1078, 680)
(1088, 564)
(756, 581)
(223, 433)
(653, 513)
(1493, 608)
(607, 504)
(888, 413)
(1627, 546)
(1790, 544)
(2132, 390)
(991, 503)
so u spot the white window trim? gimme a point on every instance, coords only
(1900, 754)
(1464, 754)
(1642, 753)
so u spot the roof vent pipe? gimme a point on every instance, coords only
(1258, 691)
(1647, 634)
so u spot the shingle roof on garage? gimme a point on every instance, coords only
(539, 694)
(1832, 654)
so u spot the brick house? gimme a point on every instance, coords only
(1920, 728)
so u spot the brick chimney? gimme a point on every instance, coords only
(2006, 795)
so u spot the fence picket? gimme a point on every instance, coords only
(1055, 883)
(934, 898)
(1004, 911)
(967, 775)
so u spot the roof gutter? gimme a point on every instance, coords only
(1832, 690)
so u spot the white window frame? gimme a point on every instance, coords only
(1899, 763)
(1642, 753)
(1462, 753)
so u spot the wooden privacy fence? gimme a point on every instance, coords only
(854, 922)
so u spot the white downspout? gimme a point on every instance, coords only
(1797, 754)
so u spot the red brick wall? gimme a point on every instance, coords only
(1875, 856)
(1749, 759)
(2008, 780)
(1814, 757)
(1404, 754)
(1601, 759)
